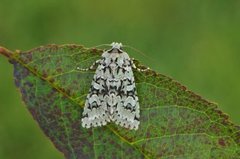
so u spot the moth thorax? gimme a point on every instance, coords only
(115, 50)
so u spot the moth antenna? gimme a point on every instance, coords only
(138, 51)
(96, 46)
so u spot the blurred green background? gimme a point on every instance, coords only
(196, 42)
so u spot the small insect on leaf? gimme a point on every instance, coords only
(112, 95)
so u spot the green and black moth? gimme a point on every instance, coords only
(113, 95)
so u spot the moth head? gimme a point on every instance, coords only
(116, 48)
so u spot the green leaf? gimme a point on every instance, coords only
(175, 122)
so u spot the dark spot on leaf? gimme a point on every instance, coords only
(221, 142)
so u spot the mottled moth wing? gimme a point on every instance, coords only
(113, 95)
(95, 109)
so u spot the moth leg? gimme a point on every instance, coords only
(92, 67)
(138, 69)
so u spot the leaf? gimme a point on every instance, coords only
(175, 122)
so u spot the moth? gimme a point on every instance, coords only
(112, 96)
